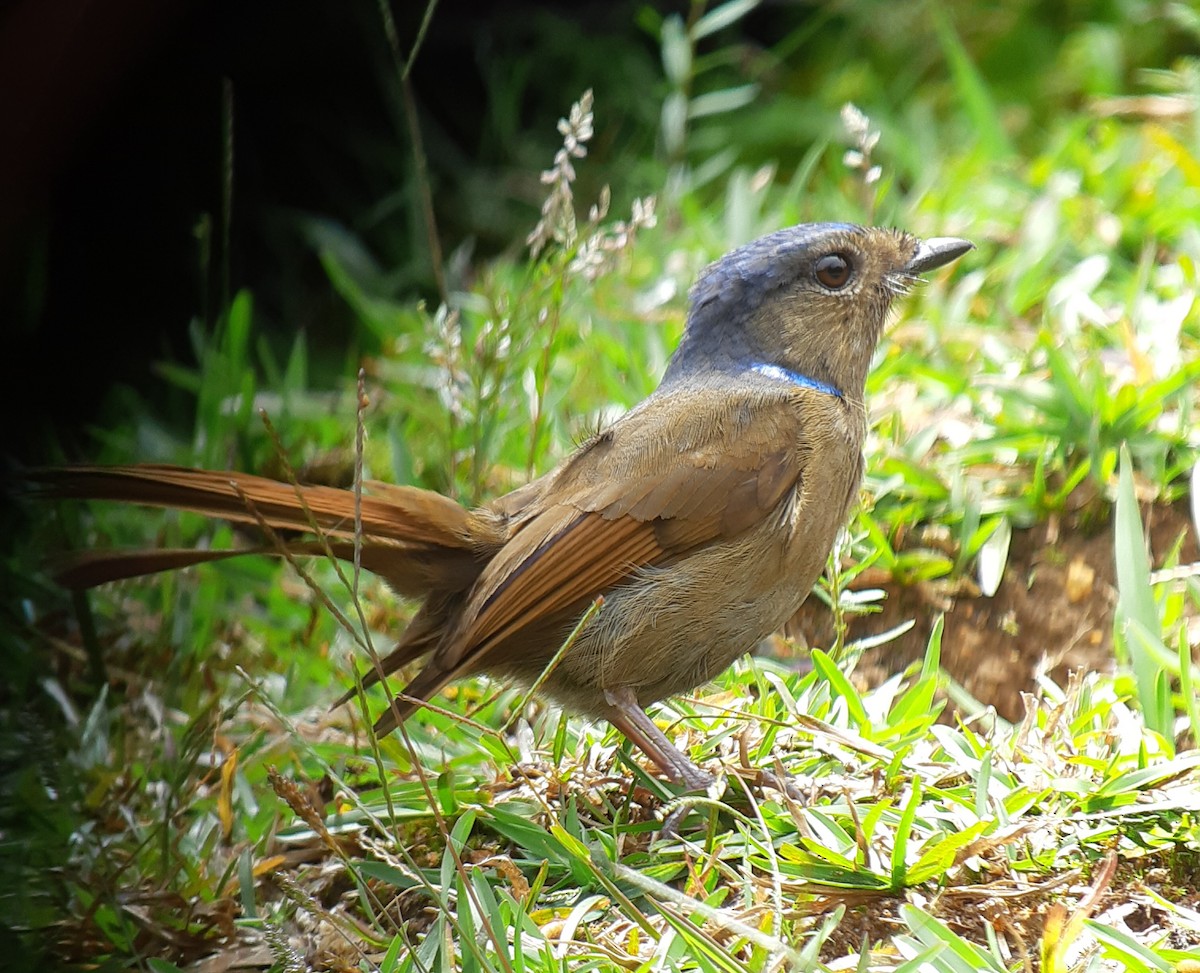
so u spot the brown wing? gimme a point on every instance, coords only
(674, 475)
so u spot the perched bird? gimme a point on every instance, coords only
(703, 516)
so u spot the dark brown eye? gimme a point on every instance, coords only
(833, 271)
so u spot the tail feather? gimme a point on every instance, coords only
(423, 544)
(410, 571)
(425, 685)
(90, 568)
(422, 637)
(407, 513)
(401, 705)
(417, 540)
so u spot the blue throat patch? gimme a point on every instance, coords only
(782, 374)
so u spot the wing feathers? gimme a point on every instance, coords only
(630, 500)
(587, 557)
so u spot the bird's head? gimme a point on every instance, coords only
(809, 301)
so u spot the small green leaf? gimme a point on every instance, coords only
(993, 557)
(720, 102)
(841, 686)
(721, 17)
(964, 957)
(1126, 949)
(1135, 601)
(899, 872)
(676, 51)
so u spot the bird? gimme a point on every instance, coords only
(686, 530)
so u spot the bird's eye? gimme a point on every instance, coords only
(833, 271)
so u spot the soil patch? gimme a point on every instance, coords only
(1053, 612)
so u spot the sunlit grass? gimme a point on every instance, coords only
(213, 803)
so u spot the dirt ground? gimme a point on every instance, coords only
(1053, 612)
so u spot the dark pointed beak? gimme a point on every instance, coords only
(937, 252)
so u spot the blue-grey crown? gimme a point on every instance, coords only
(746, 276)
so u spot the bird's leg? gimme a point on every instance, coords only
(627, 715)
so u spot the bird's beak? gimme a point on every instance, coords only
(937, 253)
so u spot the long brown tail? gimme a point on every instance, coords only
(417, 540)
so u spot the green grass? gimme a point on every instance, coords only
(205, 800)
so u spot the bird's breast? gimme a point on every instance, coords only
(674, 627)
